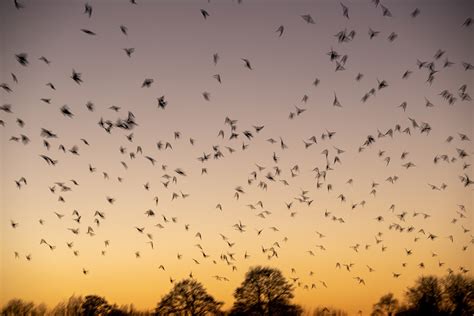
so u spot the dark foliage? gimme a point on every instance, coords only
(452, 295)
(265, 291)
(188, 298)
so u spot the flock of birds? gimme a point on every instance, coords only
(233, 138)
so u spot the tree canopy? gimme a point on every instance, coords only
(426, 296)
(459, 294)
(265, 291)
(386, 306)
(188, 298)
(452, 295)
(17, 307)
(94, 305)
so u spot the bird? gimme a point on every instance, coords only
(217, 77)
(76, 76)
(280, 30)
(147, 82)
(205, 14)
(247, 63)
(22, 59)
(129, 51)
(124, 29)
(50, 161)
(162, 103)
(88, 32)
(467, 22)
(415, 13)
(386, 11)
(308, 18)
(373, 33)
(88, 9)
(18, 5)
(345, 10)
(45, 60)
(6, 88)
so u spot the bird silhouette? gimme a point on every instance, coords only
(280, 30)
(204, 13)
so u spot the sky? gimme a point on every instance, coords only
(174, 45)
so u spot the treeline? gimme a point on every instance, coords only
(452, 295)
(265, 291)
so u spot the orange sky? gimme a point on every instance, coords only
(174, 45)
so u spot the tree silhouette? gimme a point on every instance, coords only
(40, 310)
(328, 311)
(94, 305)
(452, 295)
(188, 297)
(117, 312)
(425, 298)
(386, 306)
(17, 307)
(72, 306)
(265, 291)
(459, 294)
(128, 310)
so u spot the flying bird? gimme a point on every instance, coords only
(204, 13)
(247, 63)
(308, 18)
(76, 76)
(280, 30)
(88, 32)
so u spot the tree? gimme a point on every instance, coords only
(74, 305)
(459, 294)
(425, 298)
(328, 311)
(117, 312)
(71, 307)
(265, 291)
(17, 307)
(40, 310)
(94, 305)
(386, 306)
(59, 309)
(188, 297)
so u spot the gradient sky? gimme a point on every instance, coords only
(174, 45)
